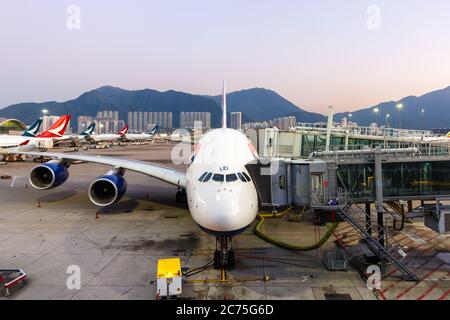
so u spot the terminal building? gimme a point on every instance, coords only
(11, 126)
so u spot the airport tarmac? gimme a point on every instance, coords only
(117, 248)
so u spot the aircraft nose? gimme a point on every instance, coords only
(229, 211)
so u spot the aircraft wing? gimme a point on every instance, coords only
(166, 174)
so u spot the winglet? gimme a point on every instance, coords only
(224, 105)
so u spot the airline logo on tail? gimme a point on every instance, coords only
(33, 129)
(448, 135)
(123, 131)
(89, 131)
(153, 131)
(57, 129)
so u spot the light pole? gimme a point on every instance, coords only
(421, 118)
(399, 107)
(376, 110)
(386, 120)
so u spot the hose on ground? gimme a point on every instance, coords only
(262, 216)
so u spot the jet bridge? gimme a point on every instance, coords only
(366, 176)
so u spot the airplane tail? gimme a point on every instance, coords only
(153, 131)
(448, 135)
(89, 130)
(123, 131)
(57, 129)
(224, 105)
(33, 129)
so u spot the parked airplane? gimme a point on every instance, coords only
(221, 196)
(33, 129)
(108, 137)
(53, 134)
(141, 136)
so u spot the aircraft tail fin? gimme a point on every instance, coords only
(153, 131)
(57, 129)
(33, 129)
(123, 131)
(89, 130)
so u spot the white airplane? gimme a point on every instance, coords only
(141, 136)
(221, 196)
(108, 137)
(53, 134)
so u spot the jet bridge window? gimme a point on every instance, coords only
(231, 177)
(218, 177)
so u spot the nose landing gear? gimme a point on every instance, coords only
(224, 255)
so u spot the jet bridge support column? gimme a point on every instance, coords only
(379, 194)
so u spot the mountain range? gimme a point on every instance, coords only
(435, 105)
(256, 104)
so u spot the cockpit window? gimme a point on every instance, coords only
(241, 177)
(207, 177)
(231, 177)
(218, 177)
(202, 176)
(246, 176)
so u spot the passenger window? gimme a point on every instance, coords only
(241, 177)
(218, 177)
(231, 177)
(208, 176)
(202, 176)
(246, 176)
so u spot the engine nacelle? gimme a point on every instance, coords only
(107, 189)
(49, 175)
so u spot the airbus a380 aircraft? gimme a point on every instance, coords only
(221, 196)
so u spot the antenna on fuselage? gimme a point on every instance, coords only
(224, 105)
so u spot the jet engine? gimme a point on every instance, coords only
(49, 175)
(108, 189)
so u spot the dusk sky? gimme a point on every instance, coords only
(314, 53)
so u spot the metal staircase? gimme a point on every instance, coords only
(391, 255)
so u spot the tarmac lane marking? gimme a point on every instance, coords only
(444, 295)
(421, 280)
(434, 286)
(13, 181)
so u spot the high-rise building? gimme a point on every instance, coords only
(285, 123)
(106, 121)
(188, 119)
(48, 121)
(130, 120)
(135, 121)
(236, 120)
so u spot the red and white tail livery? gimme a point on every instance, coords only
(57, 129)
(123, 131)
